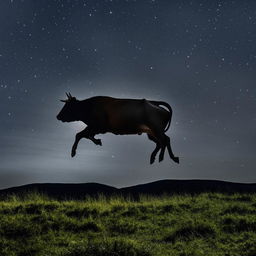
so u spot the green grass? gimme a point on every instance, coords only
(185, 225)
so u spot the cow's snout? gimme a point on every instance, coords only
(58, 117)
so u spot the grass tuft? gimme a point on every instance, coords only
(190, 231)
(84, 212)
(233, 224)
(110, 247)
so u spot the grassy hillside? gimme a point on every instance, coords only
(205, 224)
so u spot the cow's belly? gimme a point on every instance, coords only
(128, 129)
(128, 117)
(124, 122)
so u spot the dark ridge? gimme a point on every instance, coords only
(189, 187)
(61, 190)
(81, 190)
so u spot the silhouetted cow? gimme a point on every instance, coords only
(104, 114)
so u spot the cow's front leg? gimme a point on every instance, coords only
(79, 136)
(95, 141)
(86, 133)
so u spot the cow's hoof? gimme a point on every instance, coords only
(176, 160)
(161, 158)
(73, 153)
(98, 142)
(152, 160)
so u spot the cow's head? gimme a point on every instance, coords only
(69, 112)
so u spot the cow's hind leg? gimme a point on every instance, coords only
(161, 155)
(86, 133)
(157, 148)
(155, 151)
(168, 144)
(164, 141)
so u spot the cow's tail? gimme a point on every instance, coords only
(165, 104)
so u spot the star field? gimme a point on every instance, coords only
(199, 56)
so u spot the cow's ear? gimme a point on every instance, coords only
(63, 101)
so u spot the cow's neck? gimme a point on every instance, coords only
(84, 111)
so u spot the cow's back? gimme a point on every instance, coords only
(121, 116)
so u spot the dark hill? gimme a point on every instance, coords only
(190, 187)
(80, 190)
(62, 190)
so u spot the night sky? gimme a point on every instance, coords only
(199, 56)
